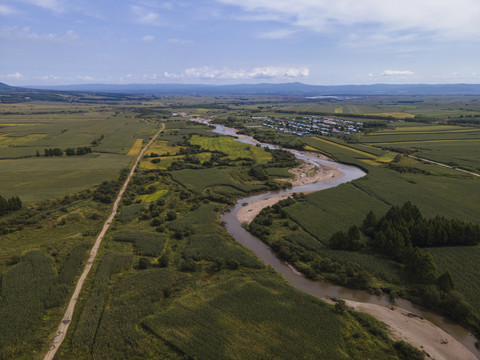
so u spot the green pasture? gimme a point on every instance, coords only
(152, 197)
(40, 178)
(232, 148)
(201, 179)
(463, 262)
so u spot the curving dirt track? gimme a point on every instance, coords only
(67, 317)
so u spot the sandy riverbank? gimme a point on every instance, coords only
(416, 331)
(306, 173)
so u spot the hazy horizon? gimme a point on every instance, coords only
(55, 42)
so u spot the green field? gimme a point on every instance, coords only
(24, 132)
(459, 146)
(232, 148)
(169, 282)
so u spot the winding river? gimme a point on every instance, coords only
(318, 288)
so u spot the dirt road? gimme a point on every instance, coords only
(67, 317)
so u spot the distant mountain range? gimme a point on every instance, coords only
(292, 89)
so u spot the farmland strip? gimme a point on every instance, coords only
(67, 317)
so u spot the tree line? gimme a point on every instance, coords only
(12, 204)
(400, 234)
(81, 150)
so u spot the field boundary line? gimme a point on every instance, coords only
(67, 317)
(444, 165)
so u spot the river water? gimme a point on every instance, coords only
(318, 288)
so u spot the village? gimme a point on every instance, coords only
(311, 125)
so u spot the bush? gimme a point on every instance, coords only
(406, 351)
(188, 266)
(143, 263)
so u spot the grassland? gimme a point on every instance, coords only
(26, 131)
(233, 149)
(458, 146)
(169, 282)
(202, 295)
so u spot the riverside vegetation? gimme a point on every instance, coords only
(169, 281)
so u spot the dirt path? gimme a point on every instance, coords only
(67, 317)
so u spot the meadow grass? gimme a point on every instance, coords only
(152, 197)
(136, 148)
(397, 115)
(232, 148)
(198, 180)
(161, 147)
(7, 140)
(41, 178)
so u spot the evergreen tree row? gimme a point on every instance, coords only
(12, 204)
(405, 227)
(400, 234)
(81, 150)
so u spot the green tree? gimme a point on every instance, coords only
(3, 206)
(445, 283)
(14, 203)
(143, 263)
(339, 241)
(421, 267)
(368, 226)
(354, 243)
(340, 306)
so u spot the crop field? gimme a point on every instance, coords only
(464, 265)
(25, 132)
(438, 191)
(135, 296)
(346, 147)
(397, 115)
(6, 140)
(85, 329)
(40, 178)
(324, 212)
(446, 144)
(28, 290)
(262, 317)
(435, 107)
(136, 148)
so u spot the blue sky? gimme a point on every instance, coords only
(239, 41)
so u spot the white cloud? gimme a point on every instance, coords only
(145, 16)
(269, 72)
(156, 4)
(148, 38)
(439, 19)
(14, 33)
(6, 10)
(47, 78)
(397, 72)
(278, 34)
(85, 78)
(14, 76)
(179, 41)
(53, 5)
